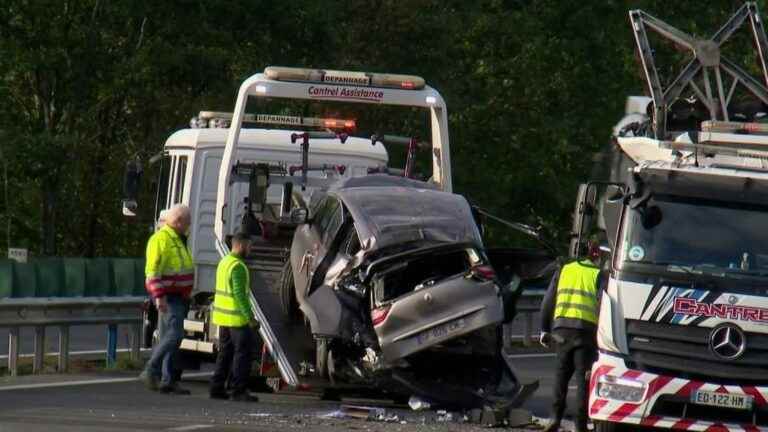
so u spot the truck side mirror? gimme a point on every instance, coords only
(610, 210)
(257, 188)
(300, 216)
(582, 216)
(286, 203)
(131, 187)
(650, 216)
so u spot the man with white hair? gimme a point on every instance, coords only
(161, 219)
(169, 281)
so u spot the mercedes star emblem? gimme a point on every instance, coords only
(728, 342)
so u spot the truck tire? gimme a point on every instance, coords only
(603, 426)
(288, 301)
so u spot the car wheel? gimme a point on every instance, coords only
(288, 301)
(321, 357)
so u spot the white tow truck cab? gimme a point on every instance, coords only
(683, 322)
(255, 170)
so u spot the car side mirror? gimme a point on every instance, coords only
(300, 216)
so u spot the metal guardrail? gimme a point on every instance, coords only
(64, 313)
(528, 305)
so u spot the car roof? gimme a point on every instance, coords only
(392, 211)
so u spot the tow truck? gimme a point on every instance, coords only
(682, 332)
(257, 172)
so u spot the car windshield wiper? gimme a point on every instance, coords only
(718, 271)
(746, 272)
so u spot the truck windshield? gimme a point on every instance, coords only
(700, 236)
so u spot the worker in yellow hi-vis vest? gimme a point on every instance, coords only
(233, 314)
(569, 317)
(170, 277)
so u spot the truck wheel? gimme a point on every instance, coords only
(288, 293)
(321, 357)
(602, 426)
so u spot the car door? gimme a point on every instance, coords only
(328, 229)
(305, 240)
(311, 243)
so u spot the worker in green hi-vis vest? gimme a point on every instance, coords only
(233, 314)
(569, 318)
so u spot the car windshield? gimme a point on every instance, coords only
(699, 236)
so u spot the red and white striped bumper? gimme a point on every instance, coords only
(616, 411)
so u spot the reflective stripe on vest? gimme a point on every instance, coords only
(225, 310)
(577, 292)
(169, 268)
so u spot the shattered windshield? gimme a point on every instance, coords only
(697, 236)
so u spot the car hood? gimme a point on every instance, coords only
(387, 216)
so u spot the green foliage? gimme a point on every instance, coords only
(533, 89)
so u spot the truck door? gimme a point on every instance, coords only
(596, 215)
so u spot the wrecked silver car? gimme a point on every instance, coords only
(393, 279)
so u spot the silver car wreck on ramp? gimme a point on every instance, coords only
(392, 276)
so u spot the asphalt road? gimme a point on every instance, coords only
(35, 403)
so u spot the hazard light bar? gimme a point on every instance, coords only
(327, 76)
(215, 119)
(734, 127)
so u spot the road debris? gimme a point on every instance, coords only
(418, 404)
(306, 369)
(444, 416)
(364, 413)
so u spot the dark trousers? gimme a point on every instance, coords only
(235, 345)
(576, 351)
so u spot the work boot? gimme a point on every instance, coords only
(219, 393)
(174, 389)
(581, 426)
(244, 397)
(553, 425)
(149, 381)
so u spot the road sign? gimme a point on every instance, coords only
(19, 255)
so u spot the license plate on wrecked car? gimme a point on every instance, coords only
(724, 400)
(438, 332)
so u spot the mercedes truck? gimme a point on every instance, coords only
(683, 322)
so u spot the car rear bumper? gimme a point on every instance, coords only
(474, 318)
(665, 401)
